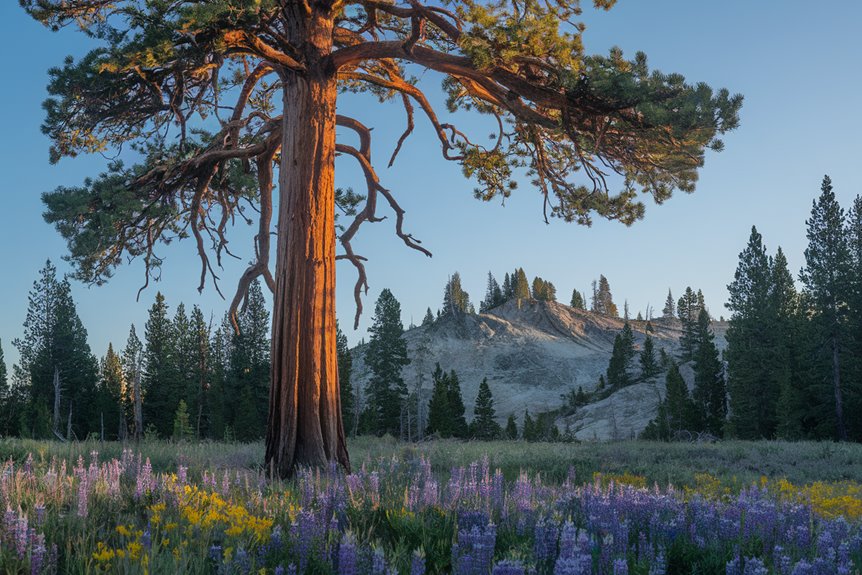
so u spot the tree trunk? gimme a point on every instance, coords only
(305, 427)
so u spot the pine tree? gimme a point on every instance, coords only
(439, 413)
(680, 410)
(220, 351)
(160, 397)
(133, 366)
(484, 425)
(826, 278)
(544, 290)
(249, 368)
(603, 301)
(529, 431)
(385, 356)
(621, 356)
(854, 355)
(753, 397)
(710, 394)
(668, 311)
(688, 308)
(112, 392)
(788, 368)
(577, 300)
(511, 428)
(457, 411)
(520, 285)
(508, 288)
(345, 370)
(199, 390)
(428, 319)
(649, 365)
(182, 429)
(58, 371)
(493, 295)
(455, 299)
(183, 353)
(8, 401)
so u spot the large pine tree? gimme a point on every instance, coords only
(199, 390)
(680, 410)
(345, 370)
(385, 356)
(520, 285)
(439, 413)
(111, 396)
(249, 369)
(854, 238)
(710, 395)
(56, 364)
(826, 277)
(493, 295)
(577, 300)
(133, 372)
(158, 384)
(750, 353)
(484, 424)
(457, 410)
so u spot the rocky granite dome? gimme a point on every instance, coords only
(532, 352)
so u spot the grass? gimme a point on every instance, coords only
(732, 462)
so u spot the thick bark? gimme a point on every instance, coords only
(305, 427)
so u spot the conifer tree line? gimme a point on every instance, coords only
(168, 381)
(792, 364)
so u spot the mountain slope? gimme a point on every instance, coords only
(532, 352)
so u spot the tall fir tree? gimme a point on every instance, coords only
(345, 370)
(133, 373)
(520, 285)
(455, 299)
(669, 310)
(511, 427)
(111, 396)
(429, 318)
(678, 404)
(159, 388)
(457, 411)
(199, 390)
(688, 309)
(753, 395)
(385, 356)
(57, 368)
(8, 404)
(484, 424)
(603, 300)
(249, 368)
(826, 277)
(439, 413)
(649, 363)
(710, 395)
(577, 300)
(493, 295)
(795, 421)
(854, 364)
(220, 352)
(508, 288)
(528, 428)
(544, 290)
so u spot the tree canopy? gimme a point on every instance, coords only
(221, 99)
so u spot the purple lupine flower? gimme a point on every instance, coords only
(621, 567)
(545, 538)
(347, 556)
(21, 535)
(38, 554)
(242, 561)
(182, 474)
(83, 497)
(473, 552)
(578, 565)
(417, 563)
(378, 562)
(508, 567)
(279, 570)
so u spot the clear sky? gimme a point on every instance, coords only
(796, 63)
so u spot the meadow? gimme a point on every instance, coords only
(471, 508)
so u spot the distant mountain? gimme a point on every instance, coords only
(532, 352)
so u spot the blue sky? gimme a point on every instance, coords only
(796, 65)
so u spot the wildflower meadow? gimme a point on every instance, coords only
(399, 512)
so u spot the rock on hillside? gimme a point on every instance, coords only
(532, 352)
